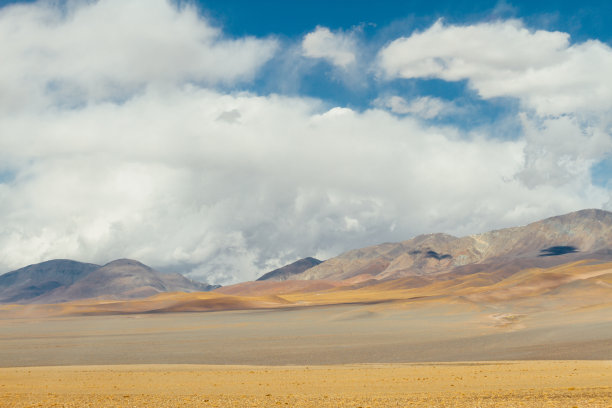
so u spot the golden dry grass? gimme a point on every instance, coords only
(496, 384)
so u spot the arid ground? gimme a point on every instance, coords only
(340, 334)
(331, 356)
(497, 384)
(535, 339)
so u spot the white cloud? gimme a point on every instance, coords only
(124, 151)
(111, 48)
(562, 149)
(565, 89)
(161, 179)
(503, 58)
(338, 48)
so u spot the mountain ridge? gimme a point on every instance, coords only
(581, 235)
(64, 280)
(583, 232)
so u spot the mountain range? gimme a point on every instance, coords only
(487, 266)
(579, 235)
(64, 280)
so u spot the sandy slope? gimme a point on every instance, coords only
(508, 384)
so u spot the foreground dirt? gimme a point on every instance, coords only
(491, 384)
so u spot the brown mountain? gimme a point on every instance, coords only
(33, 281)
(578, 235)
(287, 271)
(64, 280)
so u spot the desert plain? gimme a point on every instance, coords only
(448, 344)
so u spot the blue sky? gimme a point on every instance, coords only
(584, 19)
(378, 23)
(223, 139)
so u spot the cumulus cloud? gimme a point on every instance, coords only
(337, 48)
(504, 58)
(110, 49)
(564, 89)
(131, 150)
(161, 179)
(562, 149)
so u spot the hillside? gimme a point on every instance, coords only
(287, 271)
(579, 235)
(36, 280)
(65, 280)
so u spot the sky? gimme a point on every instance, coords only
(223, 139)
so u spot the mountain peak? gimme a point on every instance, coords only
(294, 268)
(35, 280)
(125, 262)
(65, 280)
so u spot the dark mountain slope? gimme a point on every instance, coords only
(35, 280)
(287, 271)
